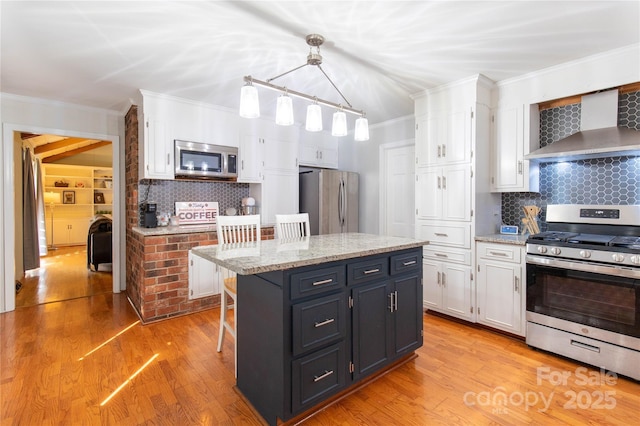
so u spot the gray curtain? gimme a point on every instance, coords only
(42, 229)
(30, 246)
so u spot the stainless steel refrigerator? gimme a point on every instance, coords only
(331, 199)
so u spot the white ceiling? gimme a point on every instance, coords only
(99, 53)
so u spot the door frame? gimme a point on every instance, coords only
(384, 173)
(7, 231)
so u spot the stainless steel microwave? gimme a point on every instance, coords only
(195, 160)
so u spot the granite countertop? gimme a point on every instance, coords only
(170, 230)
(274, 255)
(517, 240)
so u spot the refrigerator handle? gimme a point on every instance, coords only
(341, 203)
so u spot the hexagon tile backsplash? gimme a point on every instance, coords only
(166, 192)
(611, 180)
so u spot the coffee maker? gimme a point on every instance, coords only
(148, 217)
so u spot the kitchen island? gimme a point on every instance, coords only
(318, 316)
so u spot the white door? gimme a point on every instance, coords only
(397, 186)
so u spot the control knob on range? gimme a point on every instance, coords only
(542, 249)
(555, 251)
(617, 257)
(635, 259)
(585, 254)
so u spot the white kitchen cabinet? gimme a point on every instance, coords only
(204, 277)
(319, 150)
(514, 134)
(156, 153)
(453, 199)
(500, 291)
(277, 194)
(251, 163)
(67, 231)
(444, 137)
(447, 286)
(445, 193)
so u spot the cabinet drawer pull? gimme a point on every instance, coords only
(497, 253)
(440, 234)
(371, 271)
(411, 262)
(326, 373)
(441, 255)
(323, 282)
(325, 322)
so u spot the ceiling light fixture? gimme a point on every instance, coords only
(250, 108)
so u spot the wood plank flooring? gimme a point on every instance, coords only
(63, 275)
(88, 361)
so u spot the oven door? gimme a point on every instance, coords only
(604, 297)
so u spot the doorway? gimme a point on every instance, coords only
(73, 172)
(397, 186)
(12, 210)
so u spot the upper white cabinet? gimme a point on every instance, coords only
(156, 153)
(250, 162)
(163, 118)
(318, 150)
(444, 137)
(514, 133)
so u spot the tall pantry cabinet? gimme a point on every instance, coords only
(453, 198)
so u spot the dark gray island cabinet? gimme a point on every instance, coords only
(323, 318)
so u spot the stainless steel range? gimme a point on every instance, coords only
(583, 286)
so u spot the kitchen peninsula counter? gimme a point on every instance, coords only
(318, 316)
(273, 255)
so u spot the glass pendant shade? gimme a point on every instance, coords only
(314, 118)
(362, 130)
(249, 104)
(284, 111)
(339, 127)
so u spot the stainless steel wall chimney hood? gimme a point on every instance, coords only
(598, 137)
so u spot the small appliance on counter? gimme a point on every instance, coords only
(249, 206)
(148, 217)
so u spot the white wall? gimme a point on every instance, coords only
(19, 113)
(364, 158)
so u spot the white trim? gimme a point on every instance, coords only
(7, 233)
(382, 170)
(631, 49)
(54, 103)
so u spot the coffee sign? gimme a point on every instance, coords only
(197, 212)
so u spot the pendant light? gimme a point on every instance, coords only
(339, 127)
(284, 110)
(362, 129)
(249, 104)
(314, 118)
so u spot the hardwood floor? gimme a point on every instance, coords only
(89, 361)
(63, 275)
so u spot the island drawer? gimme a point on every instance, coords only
(368, 270)
(317, 281)
(318, 322)
(318, 376)
(406, 262)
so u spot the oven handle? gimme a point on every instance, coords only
(584, 267)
